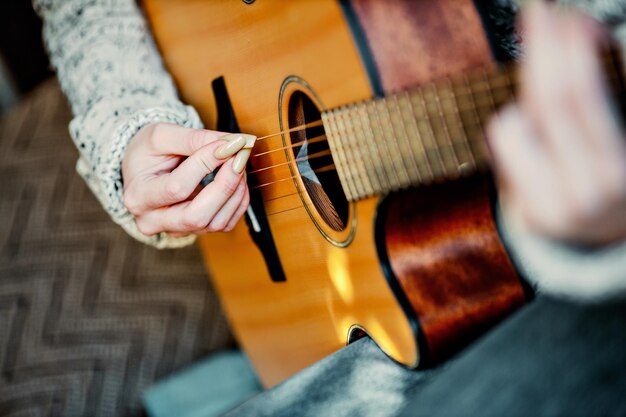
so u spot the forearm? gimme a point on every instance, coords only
(114, 79)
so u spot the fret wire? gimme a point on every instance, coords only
(381, 143)
(431, 132)
(493, 109)
(407, 178)
(468, 151)
(334, 138)
(477, 118)
(389, 162)
(487, 79)
(455, 159)
(345, 147)
(482, 103)
(391, 145)
(405, 134)
(438, 125)
(351, 160)
(497, 81)
(355, 164)
(418, 136)
(364, 158)
(378, 166)
(368, 142)
(372, 178)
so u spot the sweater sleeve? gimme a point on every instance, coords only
(575, 273)
(112, 74)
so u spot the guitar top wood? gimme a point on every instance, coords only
(268, 52)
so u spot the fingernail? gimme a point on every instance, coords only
(250, 139)
(230, 148)
(239, 164)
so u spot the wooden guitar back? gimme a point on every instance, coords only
(335, 283)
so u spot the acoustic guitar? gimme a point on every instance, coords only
(369, 213)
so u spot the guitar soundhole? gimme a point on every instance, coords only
(315, 163)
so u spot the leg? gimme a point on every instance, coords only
(359, 380)
(553, 358)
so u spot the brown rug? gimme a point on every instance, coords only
(88, 317)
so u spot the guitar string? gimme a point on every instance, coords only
(319, 123)
(325, 168)
(489, 86)
(314, 123)
(506, 76)
(455, 95)
(326, 153)
(315, 139)
(330, 167)
(429, 85)
(471, 91)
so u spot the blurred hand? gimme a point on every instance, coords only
(162, 170)
(559, 152)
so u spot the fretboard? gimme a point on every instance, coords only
(424, 135)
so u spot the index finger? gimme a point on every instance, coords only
(171, 139)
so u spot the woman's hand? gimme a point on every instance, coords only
(162, 170)
(560, 154)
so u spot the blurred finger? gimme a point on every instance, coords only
(559, 62)
(594, 108)
(521, 165)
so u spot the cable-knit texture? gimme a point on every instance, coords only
(112, 74)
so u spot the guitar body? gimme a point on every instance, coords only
(421, 272)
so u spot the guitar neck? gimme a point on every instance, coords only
(428, 134)
(432, 133)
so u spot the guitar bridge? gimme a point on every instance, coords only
(256, 218)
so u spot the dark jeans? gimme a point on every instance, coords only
(551, 358)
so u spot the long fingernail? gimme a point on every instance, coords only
(230, 148)
(239, 164)
(250, 139)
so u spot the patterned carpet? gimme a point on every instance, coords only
(88, 317)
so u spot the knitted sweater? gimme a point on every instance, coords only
(114, 79)
(112, 74)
